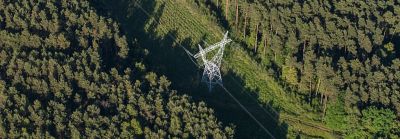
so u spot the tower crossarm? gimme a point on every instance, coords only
(222, 43)
(213, 47)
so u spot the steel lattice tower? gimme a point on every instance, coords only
(212, 72)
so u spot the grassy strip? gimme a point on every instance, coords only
(189, 24)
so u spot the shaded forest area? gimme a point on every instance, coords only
(141, 20)
(68, 72)
(98, 69)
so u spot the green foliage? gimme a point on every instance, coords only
(380, 122)
(377, 123)
(336, 116)
(335, 46)
(316, 37)
(389, 47)
(289, 74)
(178, 20)
(68, 72)
(258, 80)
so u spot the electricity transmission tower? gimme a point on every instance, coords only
(212, 73)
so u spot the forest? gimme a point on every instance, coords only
(115, 69)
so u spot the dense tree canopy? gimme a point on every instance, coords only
(64, 74)
(324, 49)
(67, 69)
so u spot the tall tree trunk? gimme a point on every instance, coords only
(320, 100)
(217, 3)
(226, 9)
(237, 14)
(304, 47)
(265, 41)
(310, 87)
(255, 44)
(325, 102)
(245, 23)
(318, 84)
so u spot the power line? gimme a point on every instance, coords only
(230, 94)
(244, 108)
(190, 55)
(212, 71)
(254, 99)
(287, 118)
